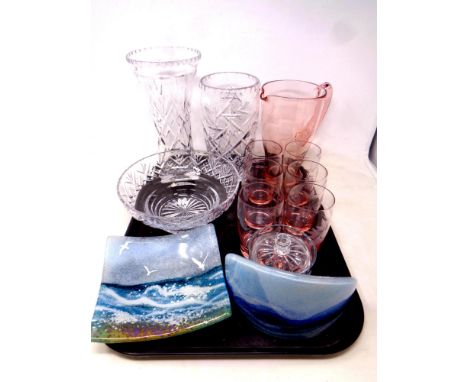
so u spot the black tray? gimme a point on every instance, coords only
(235, 336)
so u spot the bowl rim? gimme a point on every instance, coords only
(302, 278)
(222, 206)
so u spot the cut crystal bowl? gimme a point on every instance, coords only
(179, 189)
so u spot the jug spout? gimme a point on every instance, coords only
(263, 95)
(293, 109)
(327, 86)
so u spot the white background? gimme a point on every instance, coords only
(67, 130)
(79, 118)
(314, 41)
(317, 41)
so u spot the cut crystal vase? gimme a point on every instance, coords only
(167, 74)
(230, 104)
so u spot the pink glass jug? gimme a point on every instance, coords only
(293, 110)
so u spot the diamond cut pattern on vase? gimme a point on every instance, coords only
(230, 123)
(170, 109)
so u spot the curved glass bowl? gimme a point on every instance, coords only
(284, 304)
(179, 189)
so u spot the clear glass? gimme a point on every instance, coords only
(178, 190)
(293, 110)
(304, 171)
(283, 247)
(167, 74)
(229, 108)
(300, 150)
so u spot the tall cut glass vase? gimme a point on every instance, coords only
(167, 75)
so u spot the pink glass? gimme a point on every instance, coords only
(300, 150)
(260, 149)
(244, 235)
(309, 209)
(259, 193)
(304, 171)
(259, 204)
(323, 218)
(293, 110)
(302, 203)
(264, 170)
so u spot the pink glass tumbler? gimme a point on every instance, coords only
(293, 110)
(309, 208)
(259, 205)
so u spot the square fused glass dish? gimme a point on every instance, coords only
(235, 336)
(159, 287)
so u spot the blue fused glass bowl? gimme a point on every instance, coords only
(158, 287)
(284, 304)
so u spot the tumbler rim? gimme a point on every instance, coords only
(270, 141)
(310, 143)
(300, 161)
(330, 196)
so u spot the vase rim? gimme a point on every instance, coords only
(255, 82)
(164, 55)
